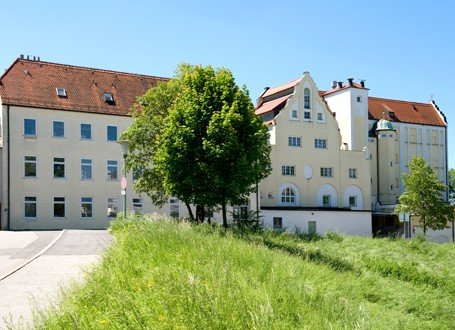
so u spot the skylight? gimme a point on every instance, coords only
(108, 97)
(60, 91)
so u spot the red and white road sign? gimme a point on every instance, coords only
(123, 183)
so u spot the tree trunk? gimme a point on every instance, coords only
(424, 227)
(223, 208)
(200, 213)
(190, 212)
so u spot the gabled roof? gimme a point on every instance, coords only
(404, 111)
(33, 84)
(378, 108)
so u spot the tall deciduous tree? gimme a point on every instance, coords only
(213, 148)
(452, 186)
(150, 114)
(423, 196)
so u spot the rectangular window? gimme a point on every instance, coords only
(86, 169)
(112, 207)
(112, 170)
(353, 173)
(352, 201)
(294, 141)
(359, 99)
(86, 207)
(29, 127)
(320, 143)
(326, 200)
(294, 114)
(307, 115)
(326, 172)
(59, 168)
(320, 118)
(277, 223)
(30, 207)
(86, 131)
(137, 205)
(287, 170)
(174, 208)
(61, 92)
(59, 207)
(112, 133)
(30, 166)
(58, 129)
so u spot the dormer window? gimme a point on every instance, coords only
(61, 92)
(108, 98)
(306, 99)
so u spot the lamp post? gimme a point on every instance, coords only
(123, 182)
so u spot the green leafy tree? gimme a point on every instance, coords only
(423, 196)
(150, 113)
(213, 149)
(452, 186)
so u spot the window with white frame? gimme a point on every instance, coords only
(86, 131)
(288, 196)
(287, 170)
(59, 167)
(112, 133)
(59, 207)
(174, 208)
(137, 205)
(30, 207)
(29, 127)
(86, 207)
(30, 169)
(277, 223)
(353, 173)
(112, 207)
(320, 143)
(58, 129)
(294, 141)
(112, 170)
(320, 116)
(294, 114)
(306, 99)
(326, 200)
(86, 169)
(307, 115)
(327, 172)
(352, 201)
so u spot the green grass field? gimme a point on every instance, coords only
(168, 275)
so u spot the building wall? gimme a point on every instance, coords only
(307, 182)
(346, 222)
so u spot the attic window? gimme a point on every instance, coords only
(61, 92)
(108, 98)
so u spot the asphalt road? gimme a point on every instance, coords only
(34, 266)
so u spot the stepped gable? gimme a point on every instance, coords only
(32, 83)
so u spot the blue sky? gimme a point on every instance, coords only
(403, 49)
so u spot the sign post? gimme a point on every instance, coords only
(123, 185)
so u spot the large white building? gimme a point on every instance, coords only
(342, 151)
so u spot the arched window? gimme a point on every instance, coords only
(288, 196)
(306, 98)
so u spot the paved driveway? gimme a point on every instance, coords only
(35, 265)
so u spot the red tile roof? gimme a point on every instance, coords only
(270, 105)
(404, 111)
(33, 84)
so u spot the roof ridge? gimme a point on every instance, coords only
(86, 68)
(394, 100)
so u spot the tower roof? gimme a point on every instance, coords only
(384, 125)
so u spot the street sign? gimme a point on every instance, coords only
(123, 183)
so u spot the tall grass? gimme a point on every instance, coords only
(163, 274)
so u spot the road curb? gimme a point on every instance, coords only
(26, 262)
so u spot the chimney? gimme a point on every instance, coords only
(34, 58)
(340, 84)
(362, 83)
(21, 56)
(334, 84)
(28, 57)
(38, 58)
(350, 81)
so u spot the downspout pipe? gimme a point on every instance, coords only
(8, 221)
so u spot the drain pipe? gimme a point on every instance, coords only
(8, 223)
